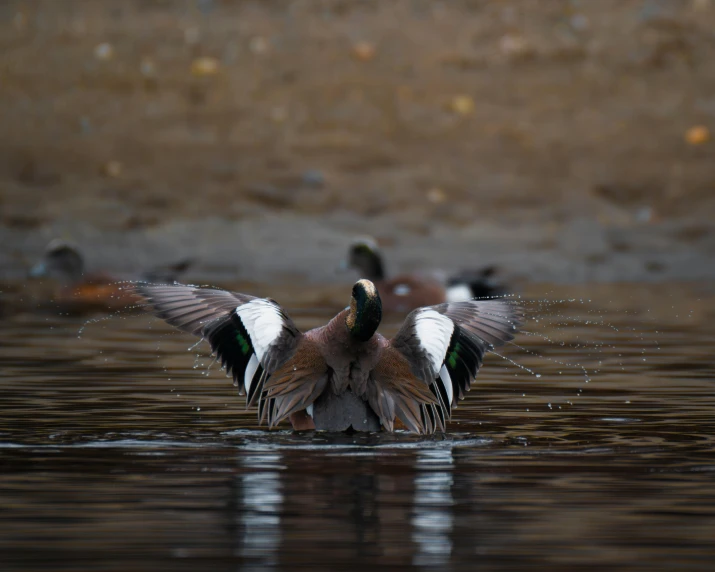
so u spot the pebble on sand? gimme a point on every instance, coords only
(462, 104)
(112, 169)
(313, 178)
(436, 195)
(697, 135)
(514, 45)
(147, 68)
(104, 52)
(204, 67)
(364, 51)
(258, 45)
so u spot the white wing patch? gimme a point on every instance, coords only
(447, 383)
(249, 373)
(434, 330)
(263, 322)
(459, 293)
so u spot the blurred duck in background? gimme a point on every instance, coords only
(407, 292)
(79, 291)
(479, 283)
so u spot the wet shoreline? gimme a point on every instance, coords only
(275, 247)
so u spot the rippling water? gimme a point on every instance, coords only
(120, 451)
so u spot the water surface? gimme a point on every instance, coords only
(119, 450)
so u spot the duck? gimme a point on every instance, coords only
(343, 376)
(407, 292)
(63, 264)
(476, 283)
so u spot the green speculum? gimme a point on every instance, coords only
(243, 342)
(452, 359)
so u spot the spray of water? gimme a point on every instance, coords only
(551, 324)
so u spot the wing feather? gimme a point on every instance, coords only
(251, 337)
(445, 347)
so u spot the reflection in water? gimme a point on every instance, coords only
(335, 509)
(432, 519)
(260, 513)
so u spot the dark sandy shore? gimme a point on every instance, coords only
(565, 141)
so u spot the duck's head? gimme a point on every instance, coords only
(364, 256)
(61, 261)
(365, 311)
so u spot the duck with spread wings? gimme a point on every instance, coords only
(342, 375)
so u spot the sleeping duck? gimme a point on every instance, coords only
(409, 291)
(343, 375)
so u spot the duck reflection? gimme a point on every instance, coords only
(432, 519)
(260, 510)
(360, 508)
(334, 511)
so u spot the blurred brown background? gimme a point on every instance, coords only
(564, 140)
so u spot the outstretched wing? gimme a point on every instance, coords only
(251, 337)
(445, 347)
